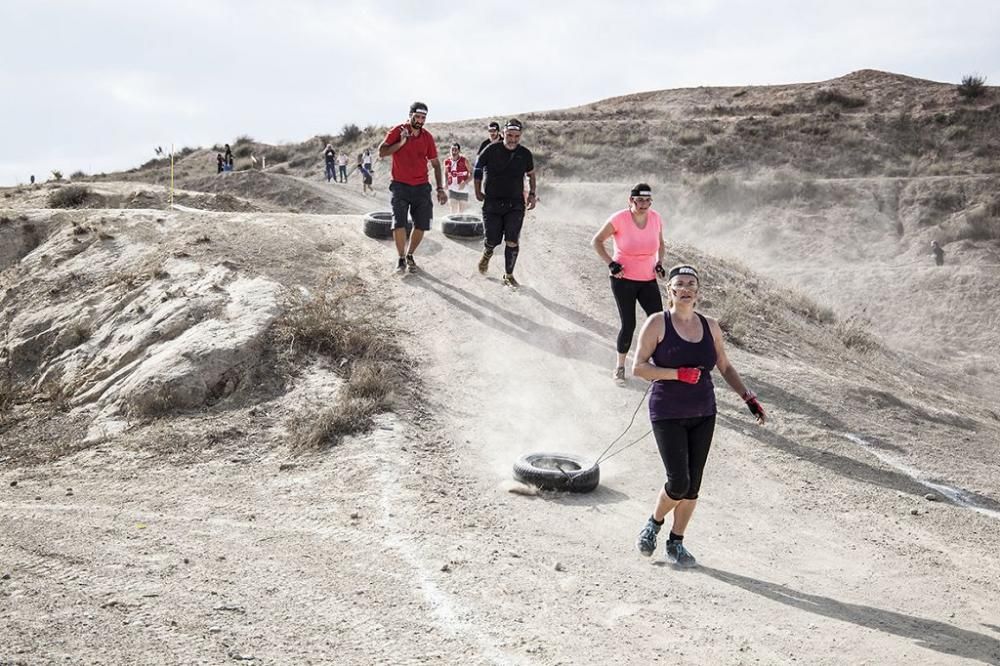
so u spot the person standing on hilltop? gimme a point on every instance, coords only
(505, 166)
(493, 130)
(637, 234)
(677, 350)
(330, 159)
(458, 173)
(229, 158)
(220, 163)
(342, 166)
(938, 253)
(411, 147)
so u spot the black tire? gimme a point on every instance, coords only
(464, 226)
(557, 471)
(378, 224)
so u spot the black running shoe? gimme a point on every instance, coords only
(509, 281)
(679, 555)
(410, 264)
(646, 543)
(401, 265)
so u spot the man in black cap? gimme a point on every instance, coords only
(504, 166)
(494, 131)
(411, 147)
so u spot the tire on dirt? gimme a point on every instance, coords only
(557, 471)
(462, 226)
(378, 224)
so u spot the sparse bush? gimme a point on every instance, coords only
(243, 138)
(854, 333)
(57, 175)
(691, 138)
(834, 96)
(71, 196)
(350, 133)
(77, 175)
(972, 86)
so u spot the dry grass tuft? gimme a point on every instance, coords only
(854, 332)
(339, 325)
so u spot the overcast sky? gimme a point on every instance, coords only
(96, 85)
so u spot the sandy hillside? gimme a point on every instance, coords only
(185, 533)
(229, 433)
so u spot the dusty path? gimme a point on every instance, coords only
(404, 546)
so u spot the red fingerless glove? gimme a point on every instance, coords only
(754, 406)
(688, 375)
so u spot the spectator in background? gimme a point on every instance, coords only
(457, 174)
(938, 253)
(32, 179)
(366, 159)
(330, 157)
(229, 157)
(342, 163)
(220, 163)
(366, 179)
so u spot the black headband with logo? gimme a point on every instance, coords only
(641, 193)
(683, 270)
(512, 126)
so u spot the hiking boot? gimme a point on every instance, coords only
(508, 280)
(679, 555)
(646, 543)
(484, 262)
(619, 375)
(410, 264)
(401, 265)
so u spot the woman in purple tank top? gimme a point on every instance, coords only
(677, 350)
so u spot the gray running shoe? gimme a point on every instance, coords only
(646, 543)
(410, 264)
(679, 555)
(484, 262)
(509, 280)
(619, 375)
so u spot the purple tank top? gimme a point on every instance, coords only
(674, 399)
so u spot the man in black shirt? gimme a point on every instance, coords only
(505, 165)
(494, 130)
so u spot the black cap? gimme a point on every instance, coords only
(513, 124)
(494, 126)
(418, 106)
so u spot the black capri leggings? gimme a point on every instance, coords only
(626, 293)
(684, 445)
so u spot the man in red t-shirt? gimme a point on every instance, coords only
(411, 147)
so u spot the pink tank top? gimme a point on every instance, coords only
(635, 248)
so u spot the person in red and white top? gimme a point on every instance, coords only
(457, 173)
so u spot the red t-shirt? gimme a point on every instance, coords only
(409, 163)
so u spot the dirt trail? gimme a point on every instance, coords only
(405, 546)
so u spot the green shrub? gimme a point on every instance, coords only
(71, 196)
(57, 175)
(972, 86)
(77, 175)
(350, 133)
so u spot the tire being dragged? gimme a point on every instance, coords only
(378, 224)
(557, 471)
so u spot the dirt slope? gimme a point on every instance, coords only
(202, 537)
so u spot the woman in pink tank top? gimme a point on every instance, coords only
(637, 233)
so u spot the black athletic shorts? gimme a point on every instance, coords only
(502, 219)
(414, 200)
